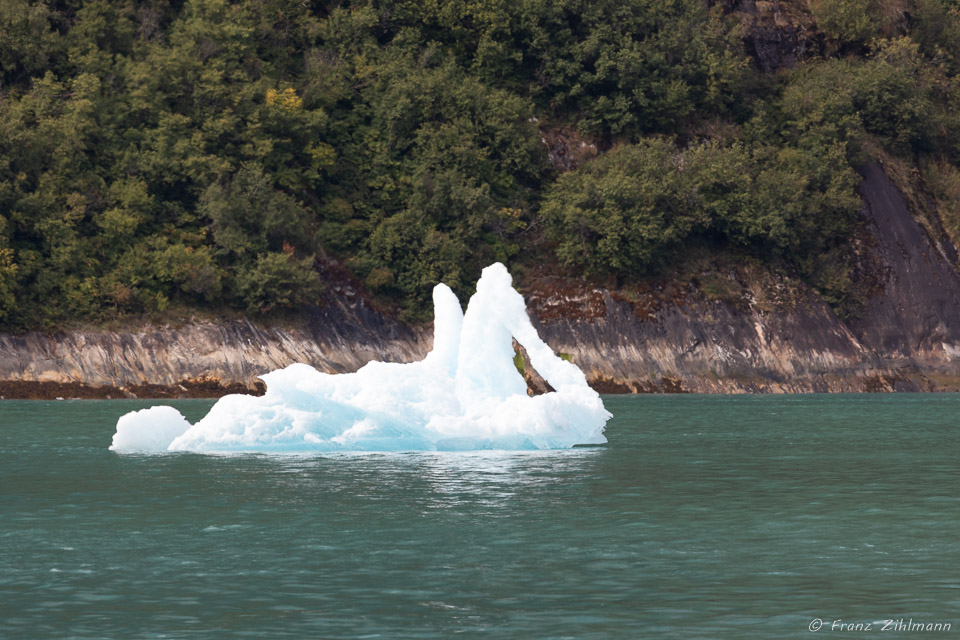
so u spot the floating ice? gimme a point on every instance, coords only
(466, 394)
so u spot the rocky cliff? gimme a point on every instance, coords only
(727, 326)
(742, 328)
(202, 358)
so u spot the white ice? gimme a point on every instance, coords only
(465, 395)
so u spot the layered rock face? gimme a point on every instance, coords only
(737, 329)
(691, 343)
(764, 334)
(914, 320)
(202, 359)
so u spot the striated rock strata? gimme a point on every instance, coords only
(727, 327)
(201, 359)
(744, 329)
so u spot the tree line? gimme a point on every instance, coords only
(162, 156)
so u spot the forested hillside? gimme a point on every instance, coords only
(162, 157)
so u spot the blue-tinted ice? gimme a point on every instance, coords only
(466, 394)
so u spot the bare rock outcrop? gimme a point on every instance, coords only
(203, 358)
(916, 316)
(778, 33)
(724, 327)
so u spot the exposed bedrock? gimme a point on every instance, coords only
(915, 318)
(765, 334)
(737, 328)
(201, 359)
(778, 33)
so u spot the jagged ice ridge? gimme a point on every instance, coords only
(465, 395)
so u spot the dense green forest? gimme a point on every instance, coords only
(162, 156)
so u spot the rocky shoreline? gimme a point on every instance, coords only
(199, 388)
(724, 327)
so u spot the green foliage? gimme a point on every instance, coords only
(29, 41)
(518, 362)
(629, 67)
(943, 181)
(629, 210)
(111, 156)
(856, 20)
(618, 67)
(440, 158)
(895, 96)
(278, 280)
(176, 155)
(623, 211)
(936, 28)
(8, 273)
(249, 216)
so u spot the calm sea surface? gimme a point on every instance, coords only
(704, 517)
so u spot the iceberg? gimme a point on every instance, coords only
(465, 395)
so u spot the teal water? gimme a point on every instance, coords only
(704, 517)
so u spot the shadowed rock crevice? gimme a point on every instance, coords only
(777, 33)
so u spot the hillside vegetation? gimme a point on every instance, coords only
(167, 156)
